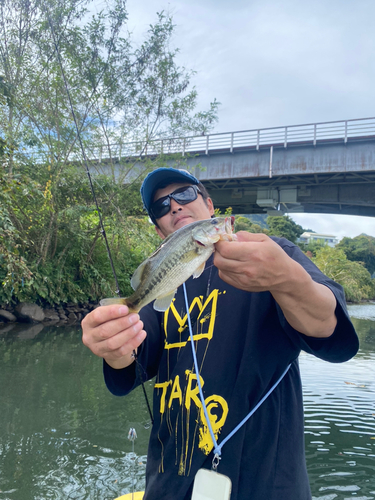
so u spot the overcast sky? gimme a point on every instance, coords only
(273, 63)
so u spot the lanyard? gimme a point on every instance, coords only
(218, 447)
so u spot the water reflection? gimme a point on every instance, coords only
(63, 435)
(339, 418)
(362, 311)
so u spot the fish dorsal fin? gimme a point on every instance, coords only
(138, 273)
(161, 245)
(199, 270)
(137, 276)
(161, 304)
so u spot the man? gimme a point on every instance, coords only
(259, 302)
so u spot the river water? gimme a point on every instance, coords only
(64, 436)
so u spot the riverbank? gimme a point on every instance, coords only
(60, 315)
(27, 313)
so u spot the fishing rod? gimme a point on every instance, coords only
(102, 228)
(101, 223)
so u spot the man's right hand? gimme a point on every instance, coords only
(112, 333)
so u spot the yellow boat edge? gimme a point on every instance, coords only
(138, 495)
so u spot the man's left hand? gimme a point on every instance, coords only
(255, 263)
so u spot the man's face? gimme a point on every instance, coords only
(180, 215)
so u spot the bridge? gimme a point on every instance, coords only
(326, 167)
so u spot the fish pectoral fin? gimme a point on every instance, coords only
(161, 304)
(199, 270)
(113, 300)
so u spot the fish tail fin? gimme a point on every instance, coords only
(113, 300)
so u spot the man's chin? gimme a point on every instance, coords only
(183, 222)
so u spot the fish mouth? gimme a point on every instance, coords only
(229, 224)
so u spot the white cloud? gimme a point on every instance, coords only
(273, 63)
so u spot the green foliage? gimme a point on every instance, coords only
(312, 247)
(285, 227)
(2, 147)
(80, 270)
(259, 219)
(51, 248)
(360, 249)
(227, 213)
(120, 94)
(245, 224)
(241, 223)
(352, 276)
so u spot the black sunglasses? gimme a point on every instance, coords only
(182, 196)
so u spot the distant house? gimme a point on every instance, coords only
(326, 239)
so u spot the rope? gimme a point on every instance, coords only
(217, 447)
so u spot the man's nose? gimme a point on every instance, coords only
(175, 207)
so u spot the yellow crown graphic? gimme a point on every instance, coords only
(205, 321)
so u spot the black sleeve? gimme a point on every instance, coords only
(343, 344)
(121, 382)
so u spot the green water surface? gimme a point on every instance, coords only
(64, 436)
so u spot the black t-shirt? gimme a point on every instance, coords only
(243, 345)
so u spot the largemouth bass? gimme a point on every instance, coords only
(181, 255)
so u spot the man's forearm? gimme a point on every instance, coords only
(309, 307)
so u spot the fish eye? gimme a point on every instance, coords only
(214, 221)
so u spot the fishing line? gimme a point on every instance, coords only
(94, 92)
(102, 230)
(109, 198)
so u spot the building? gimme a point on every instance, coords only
(325, 239)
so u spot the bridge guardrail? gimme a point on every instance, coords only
(256, 139)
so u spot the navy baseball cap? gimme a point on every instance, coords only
(163, 177)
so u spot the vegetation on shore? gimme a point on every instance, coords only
(124, 95)
(350, 263)
(52, 251)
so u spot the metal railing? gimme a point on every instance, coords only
(279, 137)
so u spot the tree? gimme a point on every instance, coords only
(284, 227)
(245, 224)
(4, 101)
(360, 249)
(353, 276)
(120, 95)
(312, 247)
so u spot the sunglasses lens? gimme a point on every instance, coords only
(160, 207)
(185, 195)
(182, 196)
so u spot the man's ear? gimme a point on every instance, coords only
(159, 233)
(210, 205)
